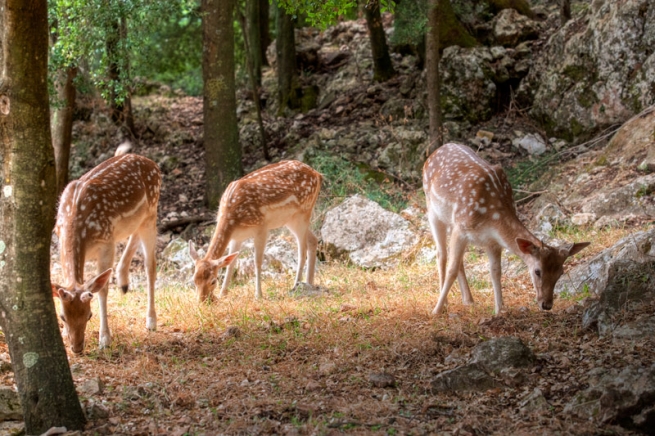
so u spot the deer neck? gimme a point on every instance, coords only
(509, 230)
(221, 238)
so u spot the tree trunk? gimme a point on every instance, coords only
(433, 76)
(289, 92)
(120, 105)
(252, 31)
(565, 11)
(221, 132)
(264, 28)
(382, 66)
(62, 124)
(29, 320)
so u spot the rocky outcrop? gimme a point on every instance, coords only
(495, 357)
(620, 275)
(366, 233)
(596, 71)
(623, 396)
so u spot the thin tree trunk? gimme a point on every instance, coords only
(255, 88)
(252, 31)
(264, 28)
(433, 76)
(62, 124)
(120, 106)
(382, 66)
(29, 320)
(221, 132)
(289, 93)
(565, 11)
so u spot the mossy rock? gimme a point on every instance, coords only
(521, 6)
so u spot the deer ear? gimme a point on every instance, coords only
(225, 260)
(86, 297)
(55, 289)
(577, 247)
(192, 251)
(98, 282)
(526, 247)
(62, 293)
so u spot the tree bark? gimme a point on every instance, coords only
(433, 76)
(565, 11)
(289, 92)
(264, 28)
(382, 66)
(252, 30)
(120, 106)
(62, 124)
(27, 209)
(221, 132)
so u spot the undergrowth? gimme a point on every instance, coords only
(342, 179)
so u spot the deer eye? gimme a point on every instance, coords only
(537, 272)
(213, 282)
(61, 316)
(90, 315)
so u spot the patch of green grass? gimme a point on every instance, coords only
(342, 178)
(528, 171)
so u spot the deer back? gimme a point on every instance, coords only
(266, 198)
(107, 204)
(461, 187)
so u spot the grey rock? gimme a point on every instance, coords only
(382, 380)
(511, 28)
(594, 72)
(533, 143)
(624, 396)
(10, 408)
(471, 377)
(506, 352)
(367, 233)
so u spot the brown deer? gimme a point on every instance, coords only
(474, 200)
(114, 201)
(279, 194)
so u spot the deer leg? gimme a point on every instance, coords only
(456, 252)
(494, 253)
(148, 238)
(467, 298)
(105, 261)
(123, 267)
(439, 233)
(229, 271)
(299, 228)
(260, 245)
(312, 245)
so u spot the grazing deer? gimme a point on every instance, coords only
(279, 194)
(114, 201)
(474, 200)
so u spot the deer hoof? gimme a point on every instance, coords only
(151, 323)
(105, 342)
(125, 288)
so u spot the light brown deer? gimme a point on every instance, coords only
(474, 200)
(114, 201)
(279, 194)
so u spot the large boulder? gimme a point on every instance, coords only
(619, 396)
(511, 28)
(467, 89)
(595, 71)
(368, 234)
(620, 275)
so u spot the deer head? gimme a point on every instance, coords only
(76, 307)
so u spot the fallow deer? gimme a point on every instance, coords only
(279, 194)
(474, 200)
(114, 201)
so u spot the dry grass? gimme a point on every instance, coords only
(290, 365)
